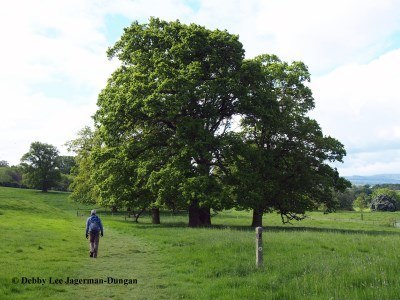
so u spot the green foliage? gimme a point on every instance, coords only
(394, 187)
(65, 164)
(362, 201)
(345, 199)
(11, 176)
(385, 196)
(163, 136)
(365, 189)
(64, 183)
(4, 176)
(120, 180)
(283, 164)
(168, 107)
(83, 186)
(367, 192)
(386, 192)
(40, 166)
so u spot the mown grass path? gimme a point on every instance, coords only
(41, 237)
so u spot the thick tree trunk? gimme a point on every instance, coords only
(155, 215)
(199, 216)
(257, 217)
(44, 187)
(205, 216)
(194, 215)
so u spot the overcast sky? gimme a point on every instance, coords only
(53, 64)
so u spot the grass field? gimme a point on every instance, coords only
(334, 256)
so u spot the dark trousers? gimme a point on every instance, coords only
(94, 243)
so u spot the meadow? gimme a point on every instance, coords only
(326, 256)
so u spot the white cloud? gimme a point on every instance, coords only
(35, 117)
(372, 163)
(323, 34)
(58, 46)
(47, 43)
(326, 34)
(359, 105)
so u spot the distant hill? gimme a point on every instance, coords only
(374, 179)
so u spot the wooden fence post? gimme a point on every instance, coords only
(259, 247)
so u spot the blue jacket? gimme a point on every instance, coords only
(91, 219)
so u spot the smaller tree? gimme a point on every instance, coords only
(40, 166)
(361, 203)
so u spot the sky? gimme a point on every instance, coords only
(53, 64)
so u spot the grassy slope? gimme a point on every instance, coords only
(334, 256)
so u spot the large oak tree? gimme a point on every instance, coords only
(170, 103)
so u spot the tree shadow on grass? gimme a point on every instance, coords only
(49, 192)
(142, 225)
(330, 230)
(266, 228)
(290, 228)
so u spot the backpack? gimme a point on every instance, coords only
(94, 225)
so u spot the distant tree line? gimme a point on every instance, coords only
(10, 176)
(368, 196)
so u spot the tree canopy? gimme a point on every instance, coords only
(163, 129)
(283, 165)
(40, 166)
(169, 106)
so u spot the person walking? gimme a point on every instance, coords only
(94, 228)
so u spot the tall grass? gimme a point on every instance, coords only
(334, 256)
